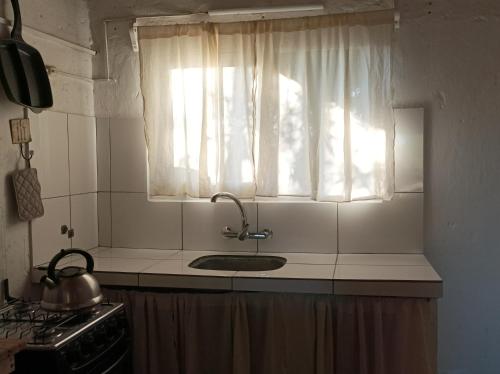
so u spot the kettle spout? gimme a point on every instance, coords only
(48, 282)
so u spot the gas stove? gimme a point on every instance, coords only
(47, 330)
(90, 341)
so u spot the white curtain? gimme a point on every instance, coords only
(295, 107)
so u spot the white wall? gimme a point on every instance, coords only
(448, 61)
(68, 20)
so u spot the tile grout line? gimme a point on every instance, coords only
(372, 266)
(97, 180)
(73, 113)
(75, 194)
(338, 250)
(141, 192)
(110, 207)
(139, 249)
(258, 228)
(69, 181)
(182, 226)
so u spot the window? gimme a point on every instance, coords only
(295, 107)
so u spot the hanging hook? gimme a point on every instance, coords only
(23, 154)
(29, 156)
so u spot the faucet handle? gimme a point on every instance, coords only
(268, 233)
(261, 235)
(228, 233)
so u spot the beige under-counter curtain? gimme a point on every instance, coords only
(258, 333)
(294, 107)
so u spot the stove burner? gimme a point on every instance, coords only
(39, 328)
(96, 341)
(24, 308)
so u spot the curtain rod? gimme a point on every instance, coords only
(241, 15)
(277, 9)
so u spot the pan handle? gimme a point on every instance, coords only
(17, 30)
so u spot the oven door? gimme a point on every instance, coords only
(121, 366)
(116, 359)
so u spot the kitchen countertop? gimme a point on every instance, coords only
(404, 275)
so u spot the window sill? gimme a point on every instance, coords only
(258, 199)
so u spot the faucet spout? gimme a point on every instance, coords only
(244, 222)
(243, 234)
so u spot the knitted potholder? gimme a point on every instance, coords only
(28, 194)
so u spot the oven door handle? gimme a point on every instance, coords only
(117, 362)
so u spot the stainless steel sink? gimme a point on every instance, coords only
(238, 263)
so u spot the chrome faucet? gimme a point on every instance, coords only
(243, 234)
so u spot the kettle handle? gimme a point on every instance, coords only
(51, 271)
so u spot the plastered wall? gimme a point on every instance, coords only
(447, 60)
(68, 20)
(449, 53)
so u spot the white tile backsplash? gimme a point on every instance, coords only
(394, 226)
(104, 218)
(82, 154)
(128, 155)
(299, 227)
(139, 223)
(409, 150)
(103, 155)
(50, 144)
(46, 231)
(203, 222)
(110, 155)
(83, 220)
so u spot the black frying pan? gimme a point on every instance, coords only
(22, 70)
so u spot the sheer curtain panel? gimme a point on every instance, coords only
(289, 107)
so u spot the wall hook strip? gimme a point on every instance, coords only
(30, 154)
(26, 153)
